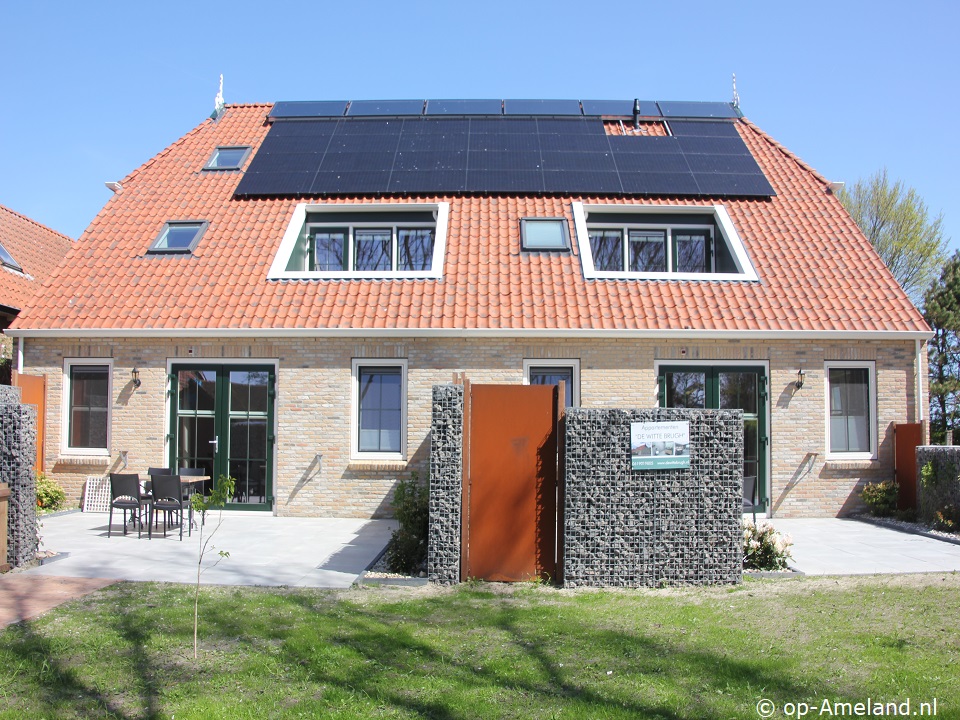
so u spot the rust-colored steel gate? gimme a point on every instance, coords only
(906, 438)
(509, 519)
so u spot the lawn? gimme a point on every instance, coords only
(488, 651)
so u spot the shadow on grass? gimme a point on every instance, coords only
(456, 656)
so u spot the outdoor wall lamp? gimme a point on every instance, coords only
(136, 377)
(800, 378)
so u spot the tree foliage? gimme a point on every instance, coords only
(942, 313)
(898, 225)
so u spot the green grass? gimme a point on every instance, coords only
(487, 651)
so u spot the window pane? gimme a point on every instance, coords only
(228, 157)
(738, 391)
(328, 249)
(89, 390)
(691, 251)
(686, 390)
(373, 249)
(606, 246)
(380, 409)
(177, 237)
(849, 410)
(648, 251)
(415, 248)
(553, 376)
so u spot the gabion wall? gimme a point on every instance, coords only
(945, 459)
(446, 470)
(18, 438)
(622, 527)
(631, 528)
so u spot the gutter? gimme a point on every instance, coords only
(919, 336)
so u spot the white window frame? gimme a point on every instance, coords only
(65, 408)
(715, 213)
(356, 365)
(871, 367)
(298, 223)
(564, 363)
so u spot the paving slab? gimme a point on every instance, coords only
(838, 546)
(264, 550)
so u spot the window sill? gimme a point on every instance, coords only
(75, 459)
(377, 464)
(838, 462)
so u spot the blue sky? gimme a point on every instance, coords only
(91, 90)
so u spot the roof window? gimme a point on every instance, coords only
(228, 158)
(660, 243)
(538, 234)
(340, 241)
(6, 259)
(179, 236)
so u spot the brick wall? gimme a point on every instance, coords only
(314, 406)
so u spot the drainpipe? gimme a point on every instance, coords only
(20, 354)
(919, 344)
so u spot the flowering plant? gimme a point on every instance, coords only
(764, 548)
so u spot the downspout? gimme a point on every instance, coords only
(919, 345)
(20, 354)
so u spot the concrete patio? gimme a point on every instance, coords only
(264, 550)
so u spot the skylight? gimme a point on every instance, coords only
(544, 234)
(179, 236)
(6, 259)
(227, 158)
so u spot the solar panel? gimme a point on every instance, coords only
(464, 107)
(703, 128)
(385, 107)
(541, 107)
(307, 108)
(619, 108)
(439, 154)
(697, 109)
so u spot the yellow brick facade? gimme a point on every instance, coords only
(313, 470)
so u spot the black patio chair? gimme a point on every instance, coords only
(155, 471)
(168, 499)
(125, 494)
(750, 495)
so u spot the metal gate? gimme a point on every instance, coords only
(33, 389)
(906, 438)
(509, 516)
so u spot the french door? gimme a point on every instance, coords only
(222, 419)
(722, 387)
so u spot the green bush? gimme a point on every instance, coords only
(407, 549)
(50, 496)
(764, 548)
(881, 497)
(947, 519)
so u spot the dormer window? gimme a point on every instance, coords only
(228, 158)
(660, 243)
(363, 241)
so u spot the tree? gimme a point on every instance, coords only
(942, 313)
(898, 225)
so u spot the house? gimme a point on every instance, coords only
(29, 252)
(274, 295)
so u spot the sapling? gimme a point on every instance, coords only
(223, 491)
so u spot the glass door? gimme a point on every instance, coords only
(222, 422)
(727, 388)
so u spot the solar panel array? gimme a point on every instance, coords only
(451, 150)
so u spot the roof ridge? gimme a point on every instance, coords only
(787, 153)
(249, 105)
(34, 222)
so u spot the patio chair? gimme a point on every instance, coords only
(125, 494)
(168, 499)
(155, 471)
(750, 495)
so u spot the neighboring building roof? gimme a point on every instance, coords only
(817, 272)
(35, 248)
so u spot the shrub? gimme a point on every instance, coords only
(947, 519)
(407, 549)
(881, 497)
(50, 496)
(764, 548)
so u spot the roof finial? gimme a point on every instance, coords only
(218, 102)
(736, 95)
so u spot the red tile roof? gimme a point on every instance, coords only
(36, 248)
(817, 271)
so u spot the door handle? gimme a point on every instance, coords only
(216, 444)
